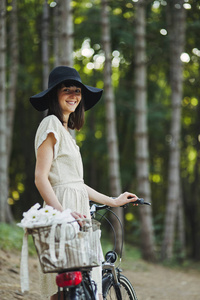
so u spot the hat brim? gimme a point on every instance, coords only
(91, 96)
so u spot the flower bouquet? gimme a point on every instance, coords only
(46, 216)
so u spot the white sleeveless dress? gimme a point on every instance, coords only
(66, 178)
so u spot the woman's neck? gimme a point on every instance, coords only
(65, 121)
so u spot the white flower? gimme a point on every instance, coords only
(47, 215)
(34, 208)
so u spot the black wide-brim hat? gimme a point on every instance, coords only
(61, 74)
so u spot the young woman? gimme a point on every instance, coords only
(59, 169)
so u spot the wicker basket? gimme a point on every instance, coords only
(60, 248)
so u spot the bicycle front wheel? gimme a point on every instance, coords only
(126, 288)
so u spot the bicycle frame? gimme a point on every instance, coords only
(110, 274)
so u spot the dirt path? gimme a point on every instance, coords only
(159, 283)
(151, 282)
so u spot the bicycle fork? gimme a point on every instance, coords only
(111, 278)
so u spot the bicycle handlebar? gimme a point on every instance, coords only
(96, 207)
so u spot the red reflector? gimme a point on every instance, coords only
(68, 279)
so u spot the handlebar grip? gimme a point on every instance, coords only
(141, 201)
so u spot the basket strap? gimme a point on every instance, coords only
(24, 276)
(52, 243)
(61, 254)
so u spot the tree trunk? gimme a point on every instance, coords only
(141, 133)
(112, 141)
(56, 34)
(176, 17)
(181, 225)
(13, 71)
(3, 127)
(66, 41)
(67, 34)
(45, 46)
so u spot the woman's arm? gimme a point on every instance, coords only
(103, 199)
(43, 164)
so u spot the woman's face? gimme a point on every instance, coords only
(69, 98)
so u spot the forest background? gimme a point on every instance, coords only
(144, 135)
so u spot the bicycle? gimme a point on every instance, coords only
(78, 284)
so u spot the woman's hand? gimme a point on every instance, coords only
(124, 199)
(110, 201)
(79, 218)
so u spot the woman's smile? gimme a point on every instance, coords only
(71, 102)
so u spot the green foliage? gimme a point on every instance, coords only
(11, 238)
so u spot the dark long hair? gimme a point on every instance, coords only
(76, 118)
